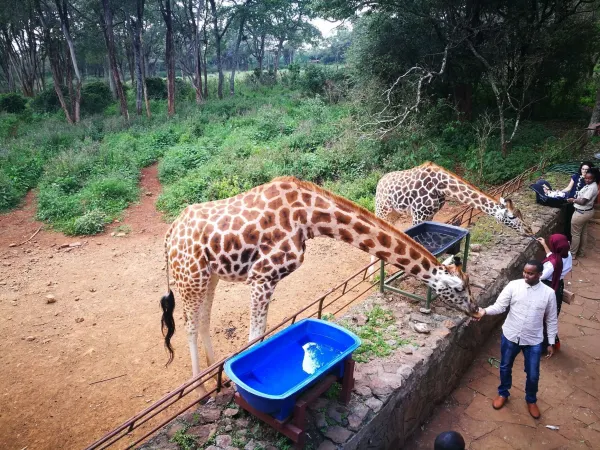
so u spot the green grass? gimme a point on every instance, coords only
(379, 335)
(87, 174)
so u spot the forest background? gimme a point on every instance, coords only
(227, 95)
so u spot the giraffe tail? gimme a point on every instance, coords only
(167, 303)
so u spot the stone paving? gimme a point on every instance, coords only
(569, 394)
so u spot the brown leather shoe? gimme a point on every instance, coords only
(499, 402)
(534, 410)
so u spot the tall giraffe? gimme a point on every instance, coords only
(258, 237)
(423, 191)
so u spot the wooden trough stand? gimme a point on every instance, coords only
(294, 427)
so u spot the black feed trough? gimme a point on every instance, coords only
(437, 237)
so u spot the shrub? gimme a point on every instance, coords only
(9, 195)
(183, 90)
(47, 100)
(92, 222)
(156, 88)
(313, 80)
(12, 103)
(95, 97)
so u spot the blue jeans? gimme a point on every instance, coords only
(532, 354)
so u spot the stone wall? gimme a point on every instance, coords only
(396, 394)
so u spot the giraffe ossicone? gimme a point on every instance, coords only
(258, 237)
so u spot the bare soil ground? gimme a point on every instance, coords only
(76, 368)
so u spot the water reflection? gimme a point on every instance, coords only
(316, 356)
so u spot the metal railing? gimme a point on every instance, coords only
(344, 294)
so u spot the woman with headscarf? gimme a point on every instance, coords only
(557, 264)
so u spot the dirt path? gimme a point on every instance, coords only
(105, 322)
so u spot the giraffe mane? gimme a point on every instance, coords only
(351, 205)
(461, 179)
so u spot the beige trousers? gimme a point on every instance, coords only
(579, 231)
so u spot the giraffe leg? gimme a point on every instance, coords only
(262, 292)
(204, 323)
(198, 298)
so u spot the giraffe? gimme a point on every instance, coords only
(423, 190)
(258, 237)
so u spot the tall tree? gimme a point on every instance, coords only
(219, 32)
(63, 14)
(109, 37)
(165, 9)
(52, 50)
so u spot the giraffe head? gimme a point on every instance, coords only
(507, 214)
(452, 286)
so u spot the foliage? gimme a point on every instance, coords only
(47, 100)
(92, 222)
(157, 88)
(12, 103)
(95, 96)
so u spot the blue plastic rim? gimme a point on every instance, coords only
(271, 374)
(441, 235)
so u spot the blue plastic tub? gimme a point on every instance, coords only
(438, 237)
(271, 375)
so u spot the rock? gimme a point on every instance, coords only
(12, 245)
(359, 410)
(224, 397)
(416, 317)
(149, 194)
(75, 244)
(30, 338)
(177, 426)
(338, 435)
(420, 327)
(475, 247)
(374, 404)
(354, 422)
(228, 428)
(404, 371)
(407, 350)
(210, 414)
(121, 234)
(113, 234)
(425, 310)
(203, 433)
(13, 303)
(50, 298)
(79, 320)
(230, 412)
(327, 445)
(359, 319)
(223, 440)
(363, 390)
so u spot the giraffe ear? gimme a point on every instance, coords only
(502, 201)
(457, 263)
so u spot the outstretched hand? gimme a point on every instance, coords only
(550, 351)
(478, 315)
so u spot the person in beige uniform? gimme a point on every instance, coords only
(584, 212)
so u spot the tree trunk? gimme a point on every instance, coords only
(277, 55)
(64, 22)
(595, 113)
(165, 8)
(236, 50)
(215, 20)
(136, 31)
(110, 45)
(261, 53)
(204, 61)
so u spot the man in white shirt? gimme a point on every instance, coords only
(531, 303)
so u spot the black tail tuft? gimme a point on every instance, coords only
(167, 303)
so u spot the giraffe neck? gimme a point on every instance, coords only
(340, 219)
(458, 189)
